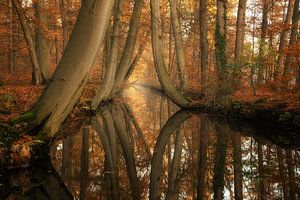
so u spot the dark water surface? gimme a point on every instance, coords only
(143, 147)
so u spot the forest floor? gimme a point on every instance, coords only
(18, 95)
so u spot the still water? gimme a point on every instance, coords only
(144, 147)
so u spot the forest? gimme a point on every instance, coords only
(149, 99)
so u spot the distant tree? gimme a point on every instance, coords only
(284, 39)
(220, 45)
(178, 43)
(117, 72)
(11, 40)
(286, 76)
(262, 45)
(42, 41)
(36, 74)
(203, 43)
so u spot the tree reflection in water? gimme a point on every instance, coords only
(141, 152)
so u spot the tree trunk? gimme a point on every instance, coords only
(293, 37)
(178, 44)
(203, 43)
(240, 30)
(202, 160)
(137, 57)
(84, 171)
(281, 169)
(72, 72)
(283, 39)
(175, 166)
(291, 175)
(220, 43)
(261, 54)
(261, 171)
(219, 163)
(11, 39)
(64, 23)
(127, 150)
(238, 167)
(103, 93)
(42, 42)
(157, 159)
(111, 164)
(36, 72)
(125, 60)
(159, 62)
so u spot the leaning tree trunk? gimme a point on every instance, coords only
(283, 39)
(36, 74)
(178, 44)
(42, 42)
(125, 60)
(71, 75)
(159, 62)
(104, 91)
(203, 43)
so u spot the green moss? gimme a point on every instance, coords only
(286, 116)
(25, 118)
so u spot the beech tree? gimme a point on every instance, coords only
(41, 40)
(118, 74)
(220, 46)
(36, 72)
(203, 43)
(159, 62)
(71, 75)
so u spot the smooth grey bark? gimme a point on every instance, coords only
(293, 38)
(203, 43)
(104, 92)
(72, 72)
(36, 72)
(159, 62)
(156, 163)
(41, 40)
(262, 46)
(137, 57)
(126, 56)
(284, 39)
(11, 39)
(178, 43)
